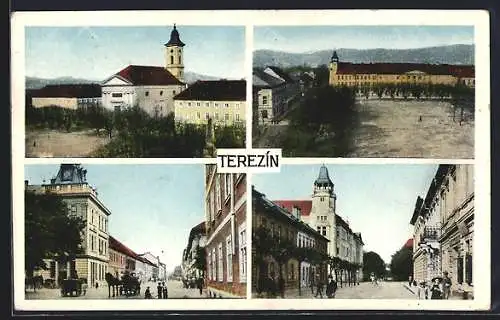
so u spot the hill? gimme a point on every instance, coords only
(453, 54)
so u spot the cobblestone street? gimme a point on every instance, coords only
(175, 290)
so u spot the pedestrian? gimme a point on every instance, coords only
(165, 291)
(281, 286)
(311, 281)
(147, 294)
(200, 285)
(272, 285)
(410, 282)
(331, 288)
(97, 285)
(422, 291)
(159, 290)
(437, 289)
(319, 287)
(446, 285)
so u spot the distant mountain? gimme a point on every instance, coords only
(453, 54)
(191, 77)
(37, 83)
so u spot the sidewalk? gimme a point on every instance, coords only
(413, 290)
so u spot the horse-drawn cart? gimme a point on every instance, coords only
(72, 286)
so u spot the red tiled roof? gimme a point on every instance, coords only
(68, 91)
(215, 90)
(304, 205)
(120, 247)
(460, 71)
(148, 75)
(409, 243)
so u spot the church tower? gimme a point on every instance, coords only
(323, 209)
(174, 59)
(334, 64)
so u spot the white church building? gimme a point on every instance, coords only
(151, 88)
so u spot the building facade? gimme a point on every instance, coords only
(68, 96)
(275, 91)
(273, 223)
(444, 228)
(223, 101)
(370, 74)
(320, 213)
(226, 230)
(151, 88)
(192, 254)
(152, 265)
(82, 200)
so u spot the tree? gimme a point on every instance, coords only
(201, 260)
(402, 264)
(50, 231)
(373, 263)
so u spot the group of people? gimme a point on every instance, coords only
(162, 291)
(439, 288)
(272, 286)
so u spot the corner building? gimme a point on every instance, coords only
(226, 229)
(71, 185)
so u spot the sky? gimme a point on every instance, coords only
(378, 200)
(153, 207)
(313, 38)
(96, 53)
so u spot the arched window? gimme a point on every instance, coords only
(171, 59)
(180, 60)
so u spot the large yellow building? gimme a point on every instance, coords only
(370, 74)
(223, 101)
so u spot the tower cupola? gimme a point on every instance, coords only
(174, 60)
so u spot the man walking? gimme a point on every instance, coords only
(159, 290)
(446, 285)
(319, 287)
(331, 288)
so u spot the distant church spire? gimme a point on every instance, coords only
(335, 57)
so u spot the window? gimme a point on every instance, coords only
(171, 59)
(180, 60)
(237, 117)
(207, 116)
(226, 116)
(116, 95)
(324, 231)
(216, 116)
(227, 185)
(229, 260)
(189, 104)
(198, 115)
(243, 252)
(318, 228)
(209, 268)
(264, 114)
(227, 105)
(198, 104)
(173, 92)
(460, 270)
(207, 104)
(220, 268)
(161, 92)
(217, 189)
(146, 93)
(322, 199)
(216, 104)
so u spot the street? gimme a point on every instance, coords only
(365, 290)
(175, 291)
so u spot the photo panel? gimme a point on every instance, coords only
(170, 91)
(114, 232)
(361, 91)
(379, 231)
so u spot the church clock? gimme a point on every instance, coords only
(66, 175)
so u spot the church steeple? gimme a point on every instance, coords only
(173, 55)
(335, 57)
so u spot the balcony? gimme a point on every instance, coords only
(430, 234)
